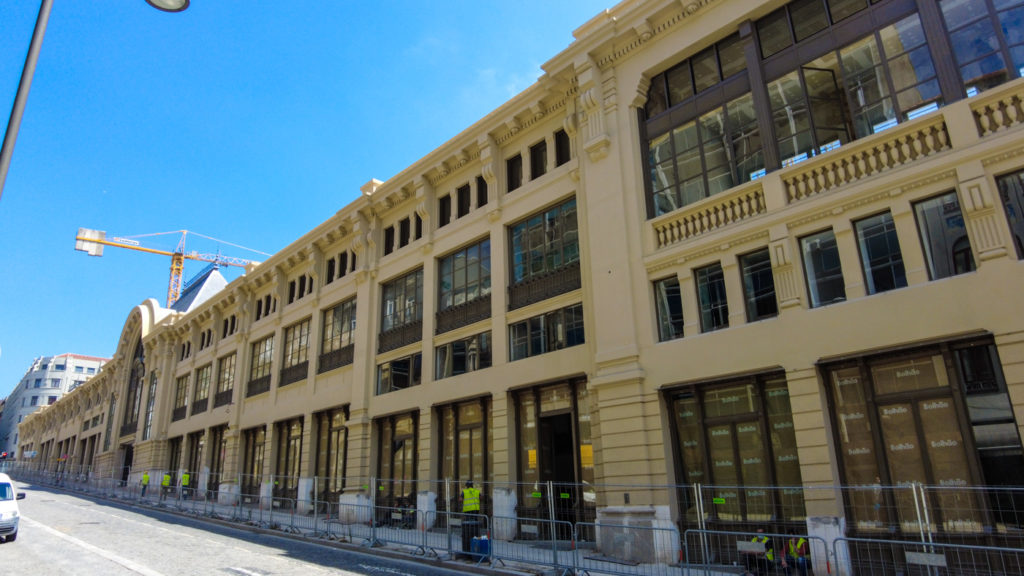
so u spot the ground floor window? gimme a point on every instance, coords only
(196, 440)
(737, 438)
(253, 445)
(173, 460)
(289, 455)
(465, 451)
(396, 458)
(555, 449)
(218, 452)
(331, 453)
(938, 417)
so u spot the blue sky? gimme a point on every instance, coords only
(251, 122)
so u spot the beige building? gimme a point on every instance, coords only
(774, 251)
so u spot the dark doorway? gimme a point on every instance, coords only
(556, 459)
(558, 466)
(555, 439)
(126, 464)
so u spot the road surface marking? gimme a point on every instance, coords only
(133, 566)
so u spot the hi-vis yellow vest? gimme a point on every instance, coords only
(768, 552)
(470, 500)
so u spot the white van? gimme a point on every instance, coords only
(9, 514)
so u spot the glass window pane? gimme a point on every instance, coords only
(1012, 24)
(666, 201)
(724, 471)
(944, 236)
(1011, 190)
(787, 96)
(905, 459)
(808, 17)
(690, 163)
(685, 137)
(984, 73)
(880, 253)
(705, 70)
(960, 12)
(730, 54)
(907, 374)
(680, 85)
(945, 447)
(773, 33)
(688, 430)
(754, 470)
(918, 94)
(1017, 55)
(669, 306)
(758, 285)
(692, 191)
(822, 268)
(841, 9)
(902, 36)
(861, 57)
(745, 137)
(731, 401)
(714, 309)
(974, 41)
(784, 450)
(659, 149)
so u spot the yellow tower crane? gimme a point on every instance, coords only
(93, 241)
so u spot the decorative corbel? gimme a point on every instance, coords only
(642, 89)
(597, 142)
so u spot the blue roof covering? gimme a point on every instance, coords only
(199, 290)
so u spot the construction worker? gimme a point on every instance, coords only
(470, 499)
(762, 562)
(145, 483)
(165, 485)
(470, 506)
(797, 554)
(184, 485)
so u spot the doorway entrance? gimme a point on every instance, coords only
(127, 455)
(556, 467)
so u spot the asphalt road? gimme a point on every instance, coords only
(69, 534)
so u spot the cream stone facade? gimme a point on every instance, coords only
(813, 291)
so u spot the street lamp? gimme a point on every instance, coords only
(30, 68)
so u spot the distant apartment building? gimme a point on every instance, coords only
(46, 381)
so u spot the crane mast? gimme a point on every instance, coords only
(93, 241)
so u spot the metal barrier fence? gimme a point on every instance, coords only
(536, 547)
(715, 551)
(570, 527)
(866, 557)
(628, 550)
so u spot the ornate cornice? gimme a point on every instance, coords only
(646, 31)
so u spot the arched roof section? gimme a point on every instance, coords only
(139, 324)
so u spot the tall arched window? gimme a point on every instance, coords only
(133, 396)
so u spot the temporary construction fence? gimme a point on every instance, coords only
(866, 557)
(608, 529)
(709, 552)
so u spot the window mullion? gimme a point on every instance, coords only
(759, 92)
(942, 53)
